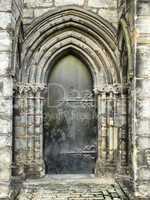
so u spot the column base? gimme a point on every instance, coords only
(35, 170)
(105, 169)
(18, 171)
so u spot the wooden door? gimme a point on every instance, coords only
(70, 125)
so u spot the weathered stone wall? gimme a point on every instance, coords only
(105, 8)
(137, 16)
(141, 120)
(5, 97)
(126, 67)
(9, 13)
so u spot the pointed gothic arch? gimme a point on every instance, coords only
(70, 26)
(93, 39)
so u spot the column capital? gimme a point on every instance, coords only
(26, 88)
(108, 88)
(111, 88)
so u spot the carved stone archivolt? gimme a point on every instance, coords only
(64, 30)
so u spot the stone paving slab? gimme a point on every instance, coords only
(62, 190)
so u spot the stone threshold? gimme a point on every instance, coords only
(71, 178)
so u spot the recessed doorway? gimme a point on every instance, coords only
(70, 119)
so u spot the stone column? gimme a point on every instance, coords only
(30, 124)
(110, 127)
(39, 135)
(113, 129)
(103, 123)
(121, 129)
(108, 130)
(29, 131)
(117, 129)
(124, 134)
(101, 103)
(20, 132)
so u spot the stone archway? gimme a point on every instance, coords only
(94, 40)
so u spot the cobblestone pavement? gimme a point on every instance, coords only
(72, 191)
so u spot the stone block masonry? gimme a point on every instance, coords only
(15, 18)
(9, 14)
(142, 101)
(105, 8)
(5, 98)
